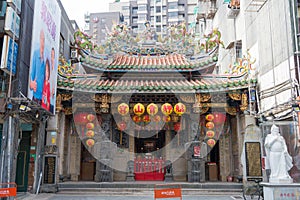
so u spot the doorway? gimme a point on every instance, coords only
(88, 165)
(23, 162)
(150, 143)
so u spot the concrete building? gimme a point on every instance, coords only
(24, 124)
(100, 24)
(267, 32)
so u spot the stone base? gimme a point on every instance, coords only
(280, 180)
(281, 191)
(168, 177)
(49, 188)
(130, 177)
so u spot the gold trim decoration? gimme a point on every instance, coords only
(204, 110)
(59, 106)
(202, 97)
(68, 111)
(97, 97)
(66, 97)
(235, 96)
(244, 102)
(231, 110)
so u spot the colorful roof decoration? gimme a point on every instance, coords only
(150, 64)
(209, 84)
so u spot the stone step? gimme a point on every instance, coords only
(147, 188)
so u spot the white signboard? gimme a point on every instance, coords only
(15, 4)
(12, 22)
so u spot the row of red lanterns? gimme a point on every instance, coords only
(85, 120)
(212, 120)
(152, 109)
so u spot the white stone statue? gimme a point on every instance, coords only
(278, 159)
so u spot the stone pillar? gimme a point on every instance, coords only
(74, 157)
(167, 149)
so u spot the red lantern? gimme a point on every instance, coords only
(211, 142)
(177, 126)
(90, 126)
(136, 119)
(90, 142)
(167, 118)
(80, 118)
(139, 109)
(90, 133)
(91, 117)
(157, 118)
(152, 109)
(209, 117)
(179, 109)
(166, 109)
(122, 126)
(146, 118)
(219, 118)
(210, 134)
(123, 109)
(210, 125)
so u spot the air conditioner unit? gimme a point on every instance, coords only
(74, 54)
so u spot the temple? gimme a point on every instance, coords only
(152, 108)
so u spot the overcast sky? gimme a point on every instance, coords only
(76, 10)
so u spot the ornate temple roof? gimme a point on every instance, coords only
(125, 65)
(207, 84)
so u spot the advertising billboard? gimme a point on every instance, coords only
(44, 54)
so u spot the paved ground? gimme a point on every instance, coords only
(115, 197)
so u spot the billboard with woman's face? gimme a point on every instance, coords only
(44, 54)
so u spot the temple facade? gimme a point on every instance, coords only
(149, 108)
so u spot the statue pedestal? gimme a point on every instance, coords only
(281, 190)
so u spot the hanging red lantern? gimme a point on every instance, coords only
(80, 118)
(91, 117)
(209, 117)
(177, 126)
(122, 126)
(146, 118)
(152, 109)
(139, 109)
(90, 133)
(90, 126)
(210, 125)
(211, 142)
(210, 134)
(219, 118)
(156, 118)
(123, 109)
(90, 142)
(136, 119)
(179, 109)
(167, 118)
(166, 109)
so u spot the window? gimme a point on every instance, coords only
(238, 49)
(173, 5)
(158, 9)
(142, 17)
(142, 8)
(125, 8)
(61, 45)
(158, 19)
(158, 28)
(173, 14)
(134, 11)
(157, 1)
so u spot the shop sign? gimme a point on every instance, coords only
(50, 169)
(9, 55)
(12, 22)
